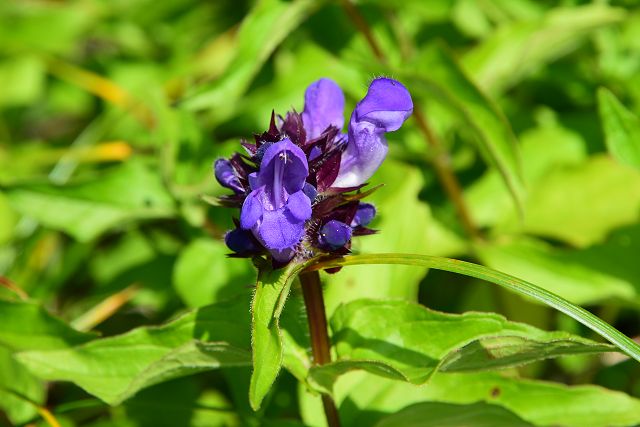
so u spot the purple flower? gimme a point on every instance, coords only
(297, 186)
(277, 207)
(385, 107)
(323, 107)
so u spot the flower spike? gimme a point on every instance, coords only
(299, 186)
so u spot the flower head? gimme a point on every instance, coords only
(298, 187)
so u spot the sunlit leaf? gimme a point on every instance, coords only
(28, 326)
(115, 368)
(419, 341)
(203, 274)
(364, 399)
(262, 30)
(517, 49)
(436, 414)
(18, 389)
(511, 283)
(88, 209)
(575, 274)
(621, 129)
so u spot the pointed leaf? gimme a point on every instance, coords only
(28, 326)
(272, 289)
(115, 368)
(621, 129)
(263, 29)
(86, 210)
(420, 341)
(515, 50)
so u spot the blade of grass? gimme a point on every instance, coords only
(511, 283)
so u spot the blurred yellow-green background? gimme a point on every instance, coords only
(113, 111)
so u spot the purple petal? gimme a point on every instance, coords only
(226, 175)
(282, 255)
(253, 180)
(310, 191)
(299, 206)
(387, 105)
(323, 107)
(279, 230)
(251, 210)
(284, 166)
(334, 234)
(364, 215)
(365, 153)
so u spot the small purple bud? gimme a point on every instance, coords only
(241, 241)
(226, 175)
(334, 235)
(364, 215)
(315, 153)
(260, 152)
(310, 191)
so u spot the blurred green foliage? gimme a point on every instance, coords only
(112, 112)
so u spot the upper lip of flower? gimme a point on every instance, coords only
(282, 172)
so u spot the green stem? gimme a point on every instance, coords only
(320, 346)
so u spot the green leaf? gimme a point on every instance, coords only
(506, 281)
(272, 288)
(574, 204)
(364, 398)
(420, 341)
(583, 276)
(174, 402)
(621, 129)
(436, 414)
(295, 337)
(204, 275)
(262, 30)
(115, 368)
(89, 209)
(539, 402)
(27, 77)
(515, 50)
(545, 148)
(561, 182)
(15, 383)
(28, 326)
(439, 74)
(22, 28)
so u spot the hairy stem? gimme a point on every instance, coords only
(441, 159)
(320, 347)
